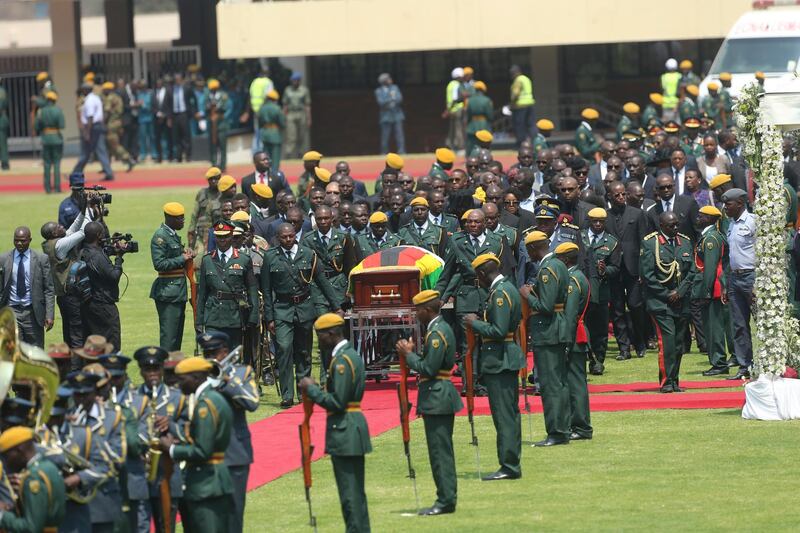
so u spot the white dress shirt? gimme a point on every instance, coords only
(13, 299)
(92, 108)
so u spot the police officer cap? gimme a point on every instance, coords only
(296, 76)
(76, 179)
(63, 394)
(150, 356)
(547, 211)
(734, 194)
(213, 340)
(82, 382)
(547, 200)
(115, 363)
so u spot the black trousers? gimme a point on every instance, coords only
(130, 138)
(632, 325)
(162, 132)
(181, 136)
(101, 318)
(71, 325)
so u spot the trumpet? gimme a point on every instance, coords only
(220, 368)
(153, 456)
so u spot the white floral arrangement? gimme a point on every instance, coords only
(776, 329)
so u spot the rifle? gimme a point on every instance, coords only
(188, 270)
(163, 489)
(402, 395)
(471, 394)
(306, 449)
(522, 334)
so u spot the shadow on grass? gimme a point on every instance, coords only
(727, 412)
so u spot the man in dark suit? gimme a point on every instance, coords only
(571, 205)
(684, 207)
(183, 107)
(733, 152)
(629, 226)
(598, 170)
(28, 288)
(263, 173)
(162, 125)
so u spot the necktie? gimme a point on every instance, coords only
(476, 244)
(667, 206)
(224, 258)
(22, 289)
(261, 177)
(420, 230)
(594, 239)
(324, 241)
(288, 254)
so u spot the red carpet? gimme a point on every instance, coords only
(649, 386)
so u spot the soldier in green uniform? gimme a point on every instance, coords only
(49, 123)
(480, 111)
(208, 493)
(297, 108)
(712, 107)
(666, 268)
(629, 120)
(421, 232)
(41, 492)
(436, 213)
(4, 129)
(577, 301)
(541, 141)
(493, 225)
(227, 290)
(602, 262)
(206, 212)
(692, 143)
(346, 432)
(113, 109)
(311, 160)
(379, 237)
(437, 400)
(271, 121)
(218, 105)
(445, 158)
(482, 140)
(169, 288)
(652, 114)
(499, 361)
(549, 331)
(688, 106)
(286, 279)
(585, 141)
(725, 95)
(711, 261)
(687, 76)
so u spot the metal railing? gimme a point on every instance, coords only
(141, 63)
(20, 87)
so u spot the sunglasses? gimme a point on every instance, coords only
(580, 172)
(665, 187)
(511, 202)
(568, 189)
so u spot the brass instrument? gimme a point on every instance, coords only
(153, 456)
(74, 463)
(220, 368)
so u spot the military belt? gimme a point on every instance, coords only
(352, 407)
(217, 458)
(442, 374)
(177, 273)
(479, 117)
(292, 299)
(789, 225)
(225, 295)
(51, 130)
(474, 282)
(331, 273)
(50, 530)
(507, 338)
(558, 308)
(270, 126)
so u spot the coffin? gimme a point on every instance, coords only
(384, 288)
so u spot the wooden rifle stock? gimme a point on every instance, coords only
(306, 450)
(469, 380)
(402, 395)
(163, 489)
(188, 270)
(522, 334)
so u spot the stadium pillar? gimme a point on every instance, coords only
(119, 23)
(544, 65)
(198, 22)
(65, 58)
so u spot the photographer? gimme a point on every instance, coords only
(99, 313)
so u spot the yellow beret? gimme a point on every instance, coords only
(566, 247)
(445, 155)
(262, 189)
(711, 210)
(718, 180)
(469, 70)
(42, 76)
(657, 98)
(213, 172)
(14, 436)
(323, 174)
(480, 195)
(327, 321)
(759, 75)
(378, 217)
(712, 86)
(394, 161)
(225, 183)
(193, 68)
(686, 64)
(590, 113)
(597, 212)
(466, 214)
(273, 95)
(51, 95)
(484, 136)
(213, 84)
(89, 76)
(193, 364)
(631, 107)
(479, 86)
(174, 209)
(725, 76)
(419, 200)
(312, 155)
(483, 259)
(425, 297)
(545, 124)
(108, 85)
(535, 236)
(240, 216)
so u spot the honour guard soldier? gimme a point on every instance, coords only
(379, 237)
(206, 213)
(577, 301)
(286, 279)
(445, 158)
(169, 288)
(629, 120)
(651, 114)
(550, 336)
(49, 123)
(217, 106)
(436, 214)
(421, 232)
(237, 384)
(480, 113)
(311, 160)
(272, 121)
(665, 266)
(208, 493)
(113, 108)
(41, 491)
(438, 399)
(499, 361)
(227, 291)
(346, 432)
(541, 141)
(585, 141)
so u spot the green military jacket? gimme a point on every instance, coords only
(296, 100)
(166, 252)
(585, 142)
(479, 113)
(271, 121)
(664, 268)
(711, 106)
(336, 259)
(366, 245)
(113, 108)
(287, 285)
(48, 119)
(605, 249)
(206, 212)
(498, 351)
(540, 142)
(578, 294)
(210, 433)
(726, 99)
(447, 221)
(691, 147)
(437, 395)
(304, 182)
(218, 103)
(433, 238)
(791, 208)
(625, 123)
(227, 294)
(42, 499)
(687, 108)
(650, 115)
(437, 171)
(548, 324)
(509, 233)
(346, 431)
(711, 261)
(3, 108)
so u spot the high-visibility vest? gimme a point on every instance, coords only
(669, 85)
(258, 92)
(526, 92)
(453, 88)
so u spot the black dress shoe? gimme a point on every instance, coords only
(676, 388)
(716, 371)
(286, 404)
(623, 356)
(549, 441)
(578, 436)
(531, 379)
(666, 389)
(640, 353)
(741, 374)
(436, 510)
(597, 369)
(733, 362)
(131, 164)
(481, 392)
(500, 474)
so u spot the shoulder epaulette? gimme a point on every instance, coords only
(570, 226)
(651, 206)
(650, 235)
(684, 236)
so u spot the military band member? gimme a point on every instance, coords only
(666, 267)
(346, 432)
(437, 400)
(421, 232)
(208, 492)
(378, 237)
(499, 361)
(550, 337)
(206, 213)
